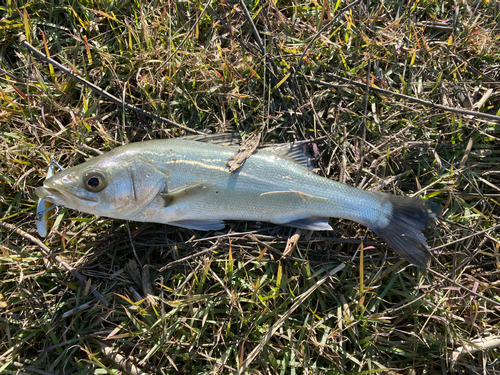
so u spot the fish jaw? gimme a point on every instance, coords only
(57, 192)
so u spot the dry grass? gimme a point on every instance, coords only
(193, 302)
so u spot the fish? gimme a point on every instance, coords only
(185, 182)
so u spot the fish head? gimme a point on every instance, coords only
(111, 185)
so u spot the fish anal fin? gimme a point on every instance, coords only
(310, 223)
(199, 224)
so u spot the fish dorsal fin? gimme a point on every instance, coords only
(296, 152)
(224, 139)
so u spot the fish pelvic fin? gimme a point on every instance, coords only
(403, 229)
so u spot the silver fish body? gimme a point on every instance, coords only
(186, 183)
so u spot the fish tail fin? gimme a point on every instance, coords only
(404, 225)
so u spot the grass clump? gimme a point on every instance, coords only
(398, 97)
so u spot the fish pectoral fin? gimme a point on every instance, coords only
(310, 223)
(199, 224)
(184, 191)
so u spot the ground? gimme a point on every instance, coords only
(401, 97)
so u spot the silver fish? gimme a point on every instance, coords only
(185, 182)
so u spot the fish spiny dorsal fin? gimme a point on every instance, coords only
(224, 139)
(296, 152)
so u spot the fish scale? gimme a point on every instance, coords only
(265, 173)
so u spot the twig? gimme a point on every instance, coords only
(77, 309)
(47, 252)
(475, 346)
(292, 242)
(101, 91)
(246, 150)
(483, 100)
(120, 360)
(425, 103)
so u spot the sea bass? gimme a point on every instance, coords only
(185, 182)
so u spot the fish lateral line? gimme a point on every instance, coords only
(299, 193)
(197, 164)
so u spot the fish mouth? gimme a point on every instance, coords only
(43, 192)
(60, 196)
(46, 193)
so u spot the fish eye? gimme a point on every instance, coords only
(94, 181)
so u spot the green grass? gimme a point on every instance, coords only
(190, 302)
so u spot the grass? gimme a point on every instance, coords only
(181, 301)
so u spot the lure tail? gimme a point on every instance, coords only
(403, 230)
